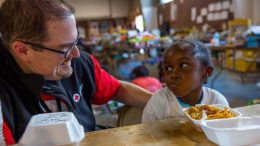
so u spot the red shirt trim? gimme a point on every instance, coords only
(46, 97)
(9, 139)
(106, 85)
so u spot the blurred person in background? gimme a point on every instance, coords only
(140, 77)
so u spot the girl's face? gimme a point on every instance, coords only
(184, 74)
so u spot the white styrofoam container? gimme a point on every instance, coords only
(236, 131)
(60, 128)
(196, 123)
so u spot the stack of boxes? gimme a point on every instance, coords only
(253, 41)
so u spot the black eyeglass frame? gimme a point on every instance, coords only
(65, 53)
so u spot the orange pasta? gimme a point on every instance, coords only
(212, 112)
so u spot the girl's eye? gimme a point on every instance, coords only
(168, 68)
(183, 65)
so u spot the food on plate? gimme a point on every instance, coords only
(196, 112)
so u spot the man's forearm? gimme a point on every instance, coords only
(131, 94)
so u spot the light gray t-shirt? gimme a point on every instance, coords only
(164, 104)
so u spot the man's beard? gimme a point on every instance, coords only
(60, 73)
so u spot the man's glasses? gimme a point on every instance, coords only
(66, 53)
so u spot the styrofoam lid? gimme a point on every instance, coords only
(61, 128)
(241, 123)
(236, 131)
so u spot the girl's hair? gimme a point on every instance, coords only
(198, 49)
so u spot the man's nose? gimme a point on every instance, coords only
(75, 52)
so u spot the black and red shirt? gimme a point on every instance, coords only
(24, 95)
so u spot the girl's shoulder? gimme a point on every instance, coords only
(164, 94)
(164, 91)
(212, 96)
(210, 91)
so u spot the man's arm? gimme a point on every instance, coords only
(131, 94)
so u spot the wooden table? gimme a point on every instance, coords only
(249, 111)
(177, 131)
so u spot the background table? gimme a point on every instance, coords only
(177, 131)
(249, 111)
(247, 65)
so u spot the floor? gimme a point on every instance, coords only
(237, 94)
(104, 117)
(228, 83)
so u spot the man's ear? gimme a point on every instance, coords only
(20, 50)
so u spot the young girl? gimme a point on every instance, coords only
(187, 66)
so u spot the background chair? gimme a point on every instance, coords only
(129, 115)
(253, 62)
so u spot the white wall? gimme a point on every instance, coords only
(247, 9)
(90, 8)
(256, 12)
(150, 13)
(150, 17)
(242, 9)
(120, 8)
(86, 9)
(99, 8)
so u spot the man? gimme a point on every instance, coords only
(42, 70)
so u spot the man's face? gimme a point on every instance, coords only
(61, 36)
(183, 73)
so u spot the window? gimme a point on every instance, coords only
(165, 1)
(139, 22)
